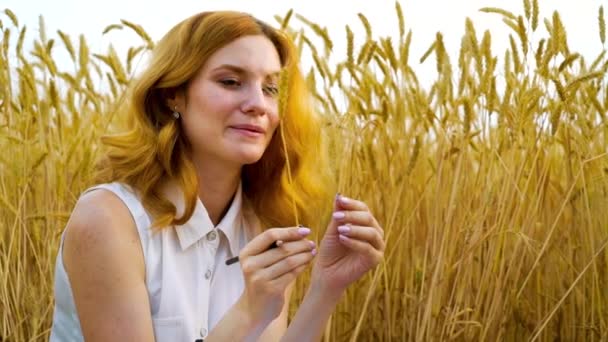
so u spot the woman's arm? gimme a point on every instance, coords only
(309, 322)
(277, 328)
(352, 245)
(263, 307)
(104, 262)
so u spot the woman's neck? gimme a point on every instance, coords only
(217, 184)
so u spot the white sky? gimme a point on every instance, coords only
(424, 17)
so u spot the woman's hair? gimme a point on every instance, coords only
(154, 149)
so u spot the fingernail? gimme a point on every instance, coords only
(344, 200)
(344, 229)
(343, 237)
(312, 243)
(303, 231)
(279, 243)
(314, 252)
(338, 215)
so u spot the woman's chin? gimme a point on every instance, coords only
(248, 157)
(249, 161)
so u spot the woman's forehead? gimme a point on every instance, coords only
(248, 54)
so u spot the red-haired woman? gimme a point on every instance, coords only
(201, 177)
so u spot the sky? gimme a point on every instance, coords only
(423, 17)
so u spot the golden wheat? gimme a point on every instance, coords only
(491, 183)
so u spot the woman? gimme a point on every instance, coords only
(201, 177)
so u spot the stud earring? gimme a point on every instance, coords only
(176, 114)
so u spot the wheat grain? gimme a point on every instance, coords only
(285, 21)
(67, 42)
(602, 25)
(112, 27)
(500, 11)
(535, 13)
(349, 45)
(400, 19)
(140, 32)
(366, 25)
(568, 61)
(12, 17)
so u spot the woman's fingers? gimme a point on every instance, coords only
(364, 234)
(346, 203)
(263, 241)
(362, 247)
(288, 265)
(288, 277)
(359, 218)
(286, 249)
(348, 210)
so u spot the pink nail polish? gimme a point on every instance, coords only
(344, 229)
(338, 215)
(303, 231)
(314, 252)
(343, 237)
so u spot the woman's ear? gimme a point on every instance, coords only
(174, 99)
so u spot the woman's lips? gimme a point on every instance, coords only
(248, 130)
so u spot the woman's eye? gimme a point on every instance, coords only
(230, 82)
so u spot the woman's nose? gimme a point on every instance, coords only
(255, 102)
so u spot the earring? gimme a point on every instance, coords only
(176, 114)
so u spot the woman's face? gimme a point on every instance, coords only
(230, 110)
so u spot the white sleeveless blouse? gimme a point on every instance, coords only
(189, 285)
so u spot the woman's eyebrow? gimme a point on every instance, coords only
(242, 71)
(231, 67)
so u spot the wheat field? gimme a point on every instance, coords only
(491, 183)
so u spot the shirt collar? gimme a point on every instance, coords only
(232, 223)
(200, 223)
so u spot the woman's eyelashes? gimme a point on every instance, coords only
(230, 82)
(269, 89)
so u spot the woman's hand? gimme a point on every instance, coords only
(268, 272)
(353, 244)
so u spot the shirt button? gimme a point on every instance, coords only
(208, 274)
(212, 235)
(203, 332)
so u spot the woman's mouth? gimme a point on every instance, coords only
(248, 130)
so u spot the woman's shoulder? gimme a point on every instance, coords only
(105, 212)
(113, 196)
(119, 189)
(101, 210)
(101, 226)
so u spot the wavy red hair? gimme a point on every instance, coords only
(153, 149)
